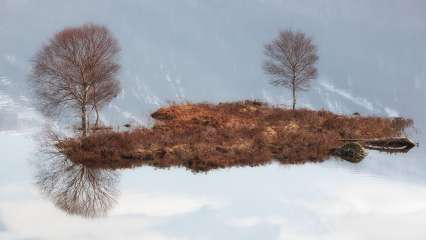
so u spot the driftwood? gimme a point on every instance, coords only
(395, 144)
(354, 150)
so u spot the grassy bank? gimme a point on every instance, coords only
(201, 137)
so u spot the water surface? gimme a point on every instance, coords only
(383, 197)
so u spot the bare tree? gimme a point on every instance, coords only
(74, 188)
(78, 190)
(291, 61)
(102, 93)
(77, 70)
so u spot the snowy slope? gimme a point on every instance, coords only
(194, 50)
(17, 114)
(16, 111)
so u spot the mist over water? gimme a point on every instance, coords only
(371, 61)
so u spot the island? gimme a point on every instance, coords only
(206, 136)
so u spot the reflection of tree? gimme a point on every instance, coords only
(76, 189)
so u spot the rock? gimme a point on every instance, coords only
(352, 152)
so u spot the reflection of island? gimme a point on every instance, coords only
(76, 189)
(249, 133)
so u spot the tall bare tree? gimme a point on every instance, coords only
(291, 61)
(77, 70)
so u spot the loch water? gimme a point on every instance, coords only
(382, 197)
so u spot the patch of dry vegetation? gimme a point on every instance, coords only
(204, 136)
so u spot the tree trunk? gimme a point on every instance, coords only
(294, 97)
(84, 121)
(97, 117)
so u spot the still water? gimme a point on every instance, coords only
(383, 197)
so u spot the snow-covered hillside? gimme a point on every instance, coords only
(195, 50)
(16, 111)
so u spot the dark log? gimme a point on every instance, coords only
(394, 144)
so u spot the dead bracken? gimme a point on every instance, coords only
(207, 136)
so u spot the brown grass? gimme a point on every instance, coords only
(204, 136)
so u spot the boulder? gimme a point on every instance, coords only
(352, 152)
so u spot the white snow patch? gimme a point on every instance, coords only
(345, 94)
(4, 80)
(128, 115)
(24, 99)
(6, 101)
(9, 58)
(391, 112)
(176, 86)
(144, 94)
(274, 100)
